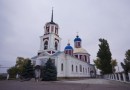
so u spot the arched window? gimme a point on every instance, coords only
(56, 45)
(47, 29)
(83, 69)
(76, 69)
(62, 67)
(85, 58)
(86, 70)
(72, 68)
(45, 45)
(52, 29)
(79, 44)
(80, 68)
(56, 30)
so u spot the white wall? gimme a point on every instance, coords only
(67, 63)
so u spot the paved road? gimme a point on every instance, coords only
(88, 84)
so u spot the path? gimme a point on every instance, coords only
(88, 84)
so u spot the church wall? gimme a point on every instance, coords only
(61, 60)
(67, 62)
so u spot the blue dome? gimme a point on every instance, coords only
(68, 47)
(77, 39)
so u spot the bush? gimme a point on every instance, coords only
(3, 76)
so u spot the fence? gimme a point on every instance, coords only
(118, 77)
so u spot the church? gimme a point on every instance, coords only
(70, 63)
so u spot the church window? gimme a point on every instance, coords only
(86, 70)
(88, 59)
(80, 56)
(62, 67)
(55, 31)
(66, 51)
(52, 28)
(69, 52)
(45, 45)
(78, 44)
(72, 68)
(56, 46)
(47, 29)
(85, 58)
(80, 68)
(83, 70)
(76, 69)
(76, 56)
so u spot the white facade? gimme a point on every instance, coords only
(75, 65)
(72, 67)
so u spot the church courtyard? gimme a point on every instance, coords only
(86, 84)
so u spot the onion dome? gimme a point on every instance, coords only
(77, 39)
(68, 47)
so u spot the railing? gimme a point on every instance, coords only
(118, 77)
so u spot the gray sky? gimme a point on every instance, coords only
(22, 22)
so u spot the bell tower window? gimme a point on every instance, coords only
(56, 45)
(45, 45)
(47, 30)
(52, 29)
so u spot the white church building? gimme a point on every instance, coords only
(70, 63)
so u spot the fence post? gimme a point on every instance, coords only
(129, 75)
(119, 76)
(124, 77)
(115, 76)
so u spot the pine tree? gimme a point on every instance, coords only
(104, 57)
(49, 71)
(126, 64)
(28, 72)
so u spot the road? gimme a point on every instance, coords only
(87, 84)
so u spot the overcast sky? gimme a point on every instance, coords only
(22, 22)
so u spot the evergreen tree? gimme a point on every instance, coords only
(103, 61)
(28, 71)
(49, 71)
(126, 64)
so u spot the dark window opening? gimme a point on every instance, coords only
(72, 68)
(56, 46)
(62, 67)
(45, 45)
(80, 68)
(76, 69)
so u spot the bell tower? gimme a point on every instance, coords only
(50, 41)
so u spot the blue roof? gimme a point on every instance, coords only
(77, 38)
(68, 47)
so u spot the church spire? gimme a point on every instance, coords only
(52, 15)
